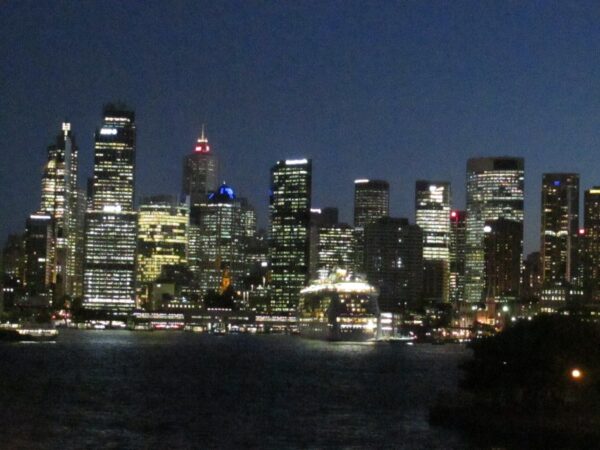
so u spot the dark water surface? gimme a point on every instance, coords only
(120, 389)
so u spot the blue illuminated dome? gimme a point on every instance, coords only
(224, 194)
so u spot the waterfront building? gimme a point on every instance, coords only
(37, 272)
(221, 242)
(502, 246)
(394, 263)
(59, 201)
(162, 239)
(494, 191)
(458, 242)
(432, 211)
(559, 230)
(290, 200)
(111, 236)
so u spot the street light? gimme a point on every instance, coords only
(576, 374)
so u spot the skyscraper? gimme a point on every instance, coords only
(560, 227)
(371, 201)
(59, 201)
(591, 254)
(432, 210)
(458, 242)
(199, 175)
(162, 239)
(494, 191)
(111, 237)
(221, 232)
(37, 271)
(290, 200)
(503, 252)
(394, 263)
(335, 249)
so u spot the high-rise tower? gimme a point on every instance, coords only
(560, 227)
(290, 200)
(371, 201)
(458, 241)
(432, 210)
(59, 201)
(591, 253)
(162, 239)
(110, 247)
(199, 174)
(494, 191)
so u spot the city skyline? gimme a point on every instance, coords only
(408, 109)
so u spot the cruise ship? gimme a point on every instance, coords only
(342, 307)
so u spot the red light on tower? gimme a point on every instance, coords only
(202, 144)
(582, 231)
(453, 214)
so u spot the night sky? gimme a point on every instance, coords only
(392, 90)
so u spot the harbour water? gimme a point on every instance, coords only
(130, 390)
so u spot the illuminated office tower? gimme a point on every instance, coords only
(59, 201)
(200, 171)
(221, 258)
(319, 218)
(502, 247)
(371, 202)
(77, 246)
(432, 210)
(162, 239)
(199, 175)
(494, 191)
(290, 199)
(335, 249)
(111, 236)
(458, 242)
(591, 253)
(37, 271)
(560, 227)
(394, 263)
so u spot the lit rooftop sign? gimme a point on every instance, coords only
(108, 131)
(361, 181)
(295, 162)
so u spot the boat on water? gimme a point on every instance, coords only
(28, 333)
(341, 307)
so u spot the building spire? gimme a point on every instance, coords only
(202, 143)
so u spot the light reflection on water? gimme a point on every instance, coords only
(118, 389)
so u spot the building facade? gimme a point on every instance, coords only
(111, 225)
(59, 201)
(495, 189)
(290, 201)
(432, 211)
(394, 263)
(221, 233)
(162, 240)
(559, 229)
(458, 242)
